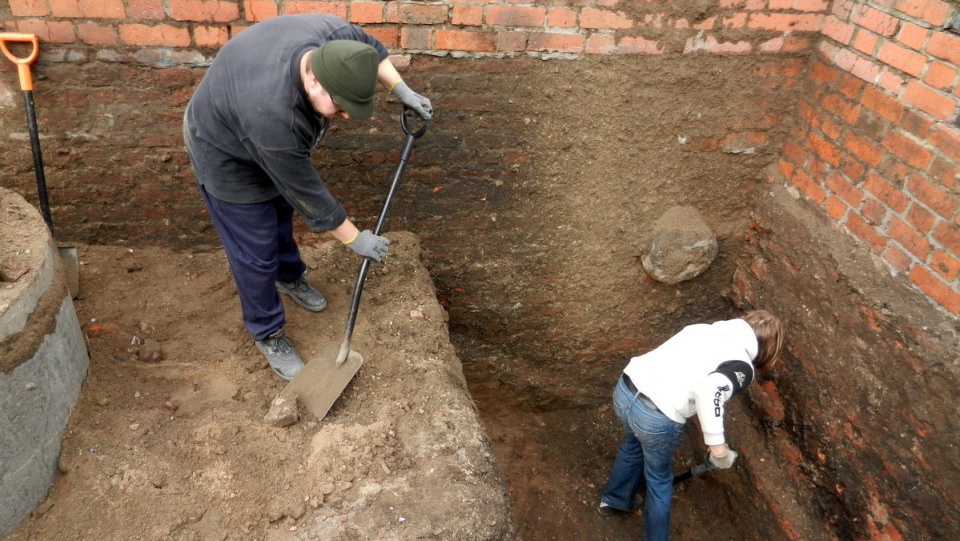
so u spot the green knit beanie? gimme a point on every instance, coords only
(347, 70)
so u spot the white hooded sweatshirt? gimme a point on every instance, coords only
(697, 371)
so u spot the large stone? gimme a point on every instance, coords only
(681, 246)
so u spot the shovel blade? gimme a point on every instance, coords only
(322, 380)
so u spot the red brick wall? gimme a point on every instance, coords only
(555, 27)
(876, 145)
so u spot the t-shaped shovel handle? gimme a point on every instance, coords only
(23, 63)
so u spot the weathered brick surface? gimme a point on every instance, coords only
(863, 386)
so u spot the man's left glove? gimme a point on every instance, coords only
(417, 103)
(366, 244)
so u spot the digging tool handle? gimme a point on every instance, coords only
(26, 85)
(358, 290)
(695, 471)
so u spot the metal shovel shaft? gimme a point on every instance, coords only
(381, 222)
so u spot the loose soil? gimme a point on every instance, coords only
(167, 440)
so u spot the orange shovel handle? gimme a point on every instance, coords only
(23, 63)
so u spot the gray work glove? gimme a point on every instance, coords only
(417, 103)
(724, 461)
(366, 244)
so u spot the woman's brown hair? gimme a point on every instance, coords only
(769, 333)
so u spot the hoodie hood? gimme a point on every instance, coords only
(740, 332)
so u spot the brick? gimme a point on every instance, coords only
(932, 12)
(946, 266)
(873, 211)
(866, 42)
(28, 8)
(795, 43)
(844, 190)
(148, 9)
(604, 20)
(912, 35)
(901, 58)
(940, 76)
(102, 9)
(513, 16)
(852, 169)
(159, 35)
(511, 41)
(916, 123)
(945, 172)
(457, 40)
(863, 149)
(388, 35)
(890, 82)
(824, 149)
(65, 8)
(203, 10)
(813, 190)
(96, 34)
(293, 7)
(946, 140)
(564, 43)
(809, 23)
(941, 201)
(811, 5)
(601, 44)
(367, 12)
(929, 101)
(775, 22)
(423, 14)
(858, 65)
(840, 107)
(936, 289)
(907, 150)
(874, 20)
(920, 218)
(779, 5)
(48, 31)
(865, 232)
(835, 208)
(636, 45)
(897, 258)
(944, 46)
(885, 192)
(561, 18)
(822, 73)
(210, 36)
(948, 235)
(882, 104)
(908, 237)
(467, 15)
(416, 38)
(734, 21)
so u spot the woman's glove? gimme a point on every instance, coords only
(417, 103)
(724, 461)
(366, 244)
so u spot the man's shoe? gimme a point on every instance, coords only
(283, 359)
(303, 294)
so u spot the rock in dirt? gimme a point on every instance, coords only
(283, 412)
(681, 246)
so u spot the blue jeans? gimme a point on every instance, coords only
(650, 441)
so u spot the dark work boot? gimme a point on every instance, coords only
(303, 293)
(283, 359)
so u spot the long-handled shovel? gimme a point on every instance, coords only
(67, 253)
(695, 471)
(322, 380)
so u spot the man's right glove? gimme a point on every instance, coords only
(417, 103)
(723, 461)
(366, 244)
